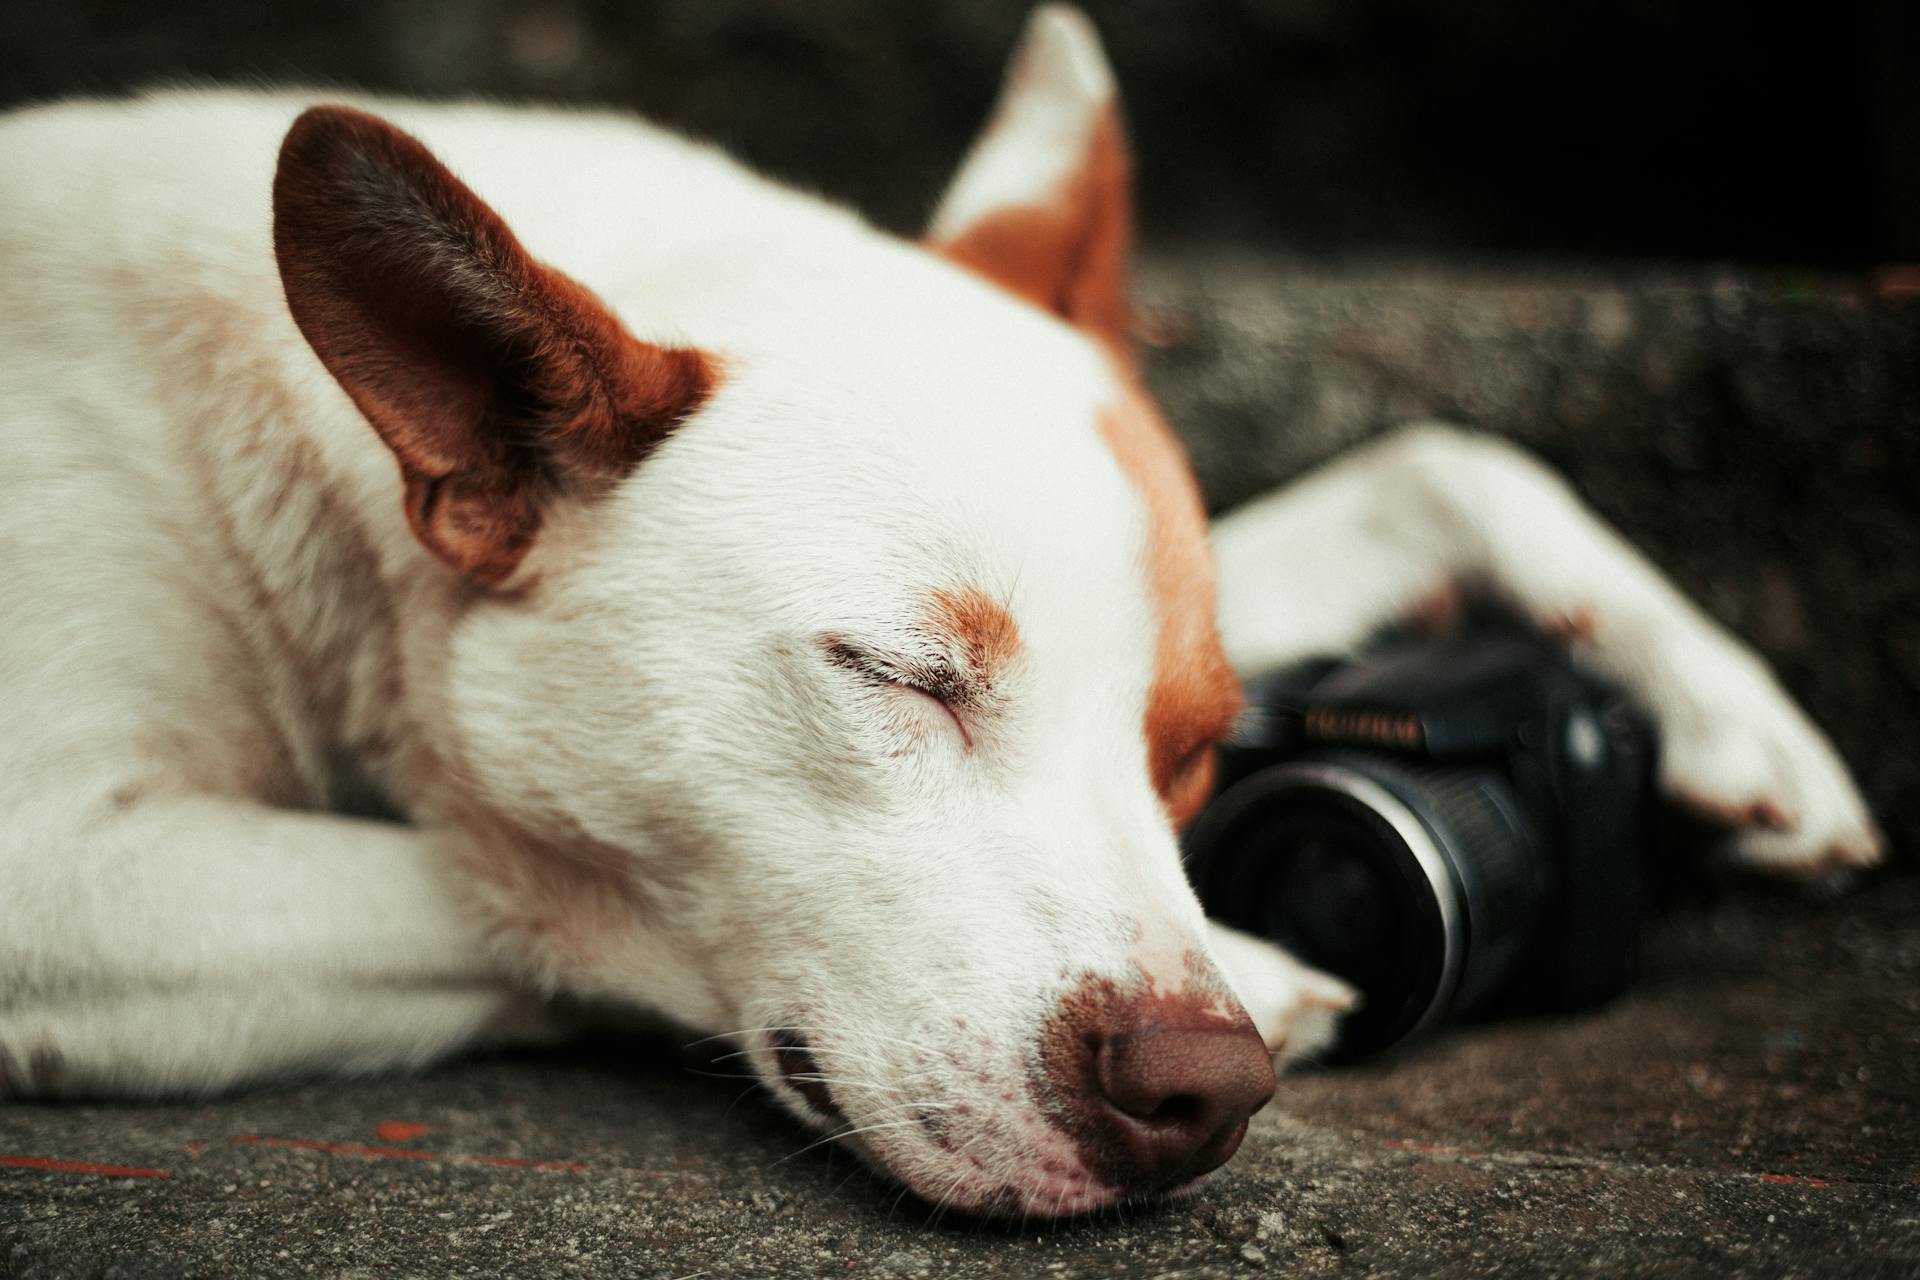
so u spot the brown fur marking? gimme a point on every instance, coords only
(1068, 254)
(1195, 694)
(1762, 812)
(1576, 626)
(496, 381)
(983, 631)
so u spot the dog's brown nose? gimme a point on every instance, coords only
(1179, 1098)
(1157, 1089)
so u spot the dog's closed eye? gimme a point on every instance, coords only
(933, 681)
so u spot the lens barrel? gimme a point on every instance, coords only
(1419, 885)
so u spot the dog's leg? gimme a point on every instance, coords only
(1404, 526)
(1295, 1008)
(195, 944)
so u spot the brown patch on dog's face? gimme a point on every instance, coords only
(1069, 253)
(979, 627)
(1195, 694)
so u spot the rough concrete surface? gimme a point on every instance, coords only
(1751, 1108)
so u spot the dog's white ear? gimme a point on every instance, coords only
(1043, 204)
(498, 382)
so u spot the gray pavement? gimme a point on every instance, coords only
(1753, 1108)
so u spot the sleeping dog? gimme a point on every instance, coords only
(457, 555)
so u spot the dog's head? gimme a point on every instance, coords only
(836, 675)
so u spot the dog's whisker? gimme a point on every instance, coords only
(895, 1084)
(915, 1047)
(898, 1200)
(844, 1082)
(915, 1105)
(721, 1075)
(746, 1031)
(837, 1135)
(825, 1053)
(744, 1093)
(953, 1184)
(958, 1179)
(864, 1086)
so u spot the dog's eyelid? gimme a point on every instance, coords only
(931, 674)
(910, 671)
(845, 654)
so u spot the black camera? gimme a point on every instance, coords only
(1455, 825)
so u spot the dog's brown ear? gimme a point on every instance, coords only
(497, 382)
(1043, 203)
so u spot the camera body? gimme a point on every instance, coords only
(1455, 825)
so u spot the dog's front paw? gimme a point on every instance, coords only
(1296, 1009)
(1736, 751)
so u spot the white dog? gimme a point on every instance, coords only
(804, 634)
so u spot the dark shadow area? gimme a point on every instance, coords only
(1710, 129)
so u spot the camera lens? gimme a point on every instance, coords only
(1416, 885)
(1327, 895)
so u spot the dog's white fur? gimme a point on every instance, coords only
(218, 635)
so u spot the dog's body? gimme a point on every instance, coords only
(808, 637)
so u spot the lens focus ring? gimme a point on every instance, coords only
(1414, 884)
(1475, 819)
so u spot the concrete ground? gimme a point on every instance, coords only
(1752, 1108)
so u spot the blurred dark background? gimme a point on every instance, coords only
(1677, 129)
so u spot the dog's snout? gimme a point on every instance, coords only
(1157, 1089)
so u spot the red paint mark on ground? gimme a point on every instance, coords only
(76, 1166)
(336, 1148)
(514, 1162)
(1793, 1178)
(1402, 1144)
(399, 1131)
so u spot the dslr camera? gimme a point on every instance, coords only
(1454, 825)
